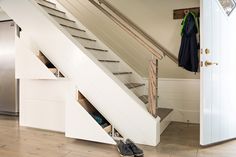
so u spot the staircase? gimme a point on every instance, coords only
(119, 69)
(102, 78)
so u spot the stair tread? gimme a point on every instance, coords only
(144, 98)
(61, 17)
(121, 73)
(96, 49)
(49, 2)
(163, 112)
(51, 8)
(134, 85)
(109, 61)
(76, 36)
(73, 27)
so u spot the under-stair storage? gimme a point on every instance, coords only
(94, 113)
(97, 116)
(49, 65)
(109, 84)
(28, 64)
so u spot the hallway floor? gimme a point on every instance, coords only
(179, 140)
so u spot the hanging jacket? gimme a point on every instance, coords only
(188, 53)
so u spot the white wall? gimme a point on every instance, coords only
(42, 104)
(153, 16)
(3, 16)
(182, 95)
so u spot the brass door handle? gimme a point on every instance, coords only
(207, 63)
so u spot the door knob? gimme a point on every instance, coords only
(207, 63)
(207, 51)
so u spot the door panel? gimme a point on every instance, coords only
(218, 87)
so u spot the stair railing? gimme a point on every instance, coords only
(157, 51)
(129, 30)
(140, 31)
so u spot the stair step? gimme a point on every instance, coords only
(49, 2)
(61, 17)
(109, 61)
(163, 112)
(51, 8)
(144, 98)
(73, 27)
(95, 49)
(134, 85)
(84, 38)
(122, 73)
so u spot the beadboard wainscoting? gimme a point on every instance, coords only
(182, 95)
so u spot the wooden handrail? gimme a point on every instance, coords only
(140, 31)
(128, 30)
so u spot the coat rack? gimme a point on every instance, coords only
(180, 13)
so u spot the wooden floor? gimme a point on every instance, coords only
(179, 140)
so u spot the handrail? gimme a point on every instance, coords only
(139, 30)
(128, 30)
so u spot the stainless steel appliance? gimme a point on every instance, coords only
(8, 103)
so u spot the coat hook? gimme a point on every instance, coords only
(186, 12)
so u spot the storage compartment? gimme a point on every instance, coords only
(94, 113)
(49, 65)
(116, 135)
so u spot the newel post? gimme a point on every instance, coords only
(153, 87)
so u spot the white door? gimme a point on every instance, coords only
(218, 80)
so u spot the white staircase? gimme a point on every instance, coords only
(114, 89)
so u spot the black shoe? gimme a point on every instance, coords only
(124, 149)
(137, 151)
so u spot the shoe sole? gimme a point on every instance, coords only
(138, 155)
(124, 155)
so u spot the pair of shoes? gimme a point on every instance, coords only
(136, 150)
(129, 149)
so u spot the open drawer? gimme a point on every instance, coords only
(94, 113)
(49, 65)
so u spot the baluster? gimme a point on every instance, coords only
(153, 86)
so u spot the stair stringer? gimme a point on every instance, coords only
(108, 95)
(28, 66)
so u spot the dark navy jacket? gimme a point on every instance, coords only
(188, 53)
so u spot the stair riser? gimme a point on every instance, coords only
(65, 22)
(165, 123)
(100, 54)
(125, 78)
(76, 32)
(113, 67)
(144, 98)
(139, 91)
(46, 3)
(54, 12)
(87, 43)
